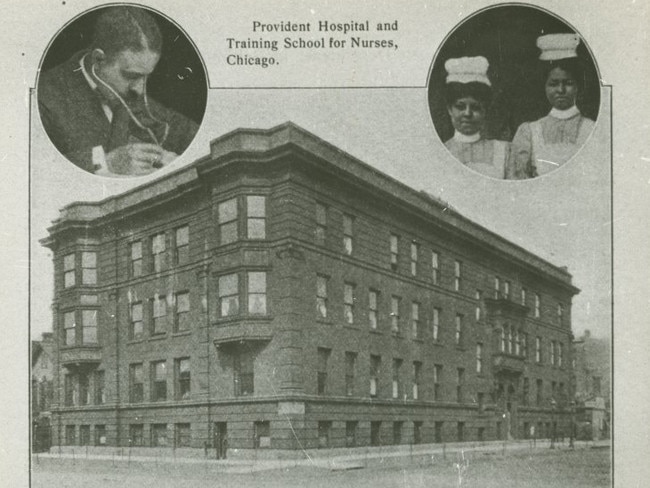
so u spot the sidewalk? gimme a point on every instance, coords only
(331, 459)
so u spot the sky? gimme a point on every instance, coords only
(563, 217)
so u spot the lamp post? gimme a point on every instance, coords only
(573, 423)
(553, 406)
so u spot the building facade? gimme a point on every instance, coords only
(279, 293)
(592, 370)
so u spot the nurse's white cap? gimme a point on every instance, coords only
(467, 70)
(558, 46)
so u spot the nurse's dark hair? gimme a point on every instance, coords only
(126, 28)
(480, 91)
(573, 66)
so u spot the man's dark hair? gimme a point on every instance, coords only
(480, 91)
(126, 28)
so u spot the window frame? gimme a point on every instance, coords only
(182, 250)
(159, 382)
(348, 234)
(252, 219)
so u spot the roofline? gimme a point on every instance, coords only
(242, 141)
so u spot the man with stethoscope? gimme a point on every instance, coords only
(95, 108)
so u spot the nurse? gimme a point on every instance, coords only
(546, 144)
(468, 93)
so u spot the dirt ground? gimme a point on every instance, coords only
(582, 468)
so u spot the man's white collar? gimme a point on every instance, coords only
(564, 114)
(468, 139)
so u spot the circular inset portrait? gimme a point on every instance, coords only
(513, 92)
(121, 91)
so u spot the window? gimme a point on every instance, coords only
(182, 316)
(437, 431)
(68, 271)
(158, 248)
(182, 435)
(478, 311)
(256, 218)
(100, 392)
(417, 378)
(415, 320)
(526, 391)
(69, 328)
(89, 326)
(159, 314)
(372, 308)
(350, 366)
(375, 433)
(503, 346)
(437, 379)
(460, 380)
(397, 432)
(394, 314)
(348, 223)
(137, 328)
(100, 435)
(560, 314)
(70, 390)
(321, 224)
(183, 378)
(523, 296)
(136, 259)
(348, 303)
(551, 350)
(158, 381)
(136, 435)
(182, 242)
(136, 380)
(321, 369)
(517, 345)
(70, 435)
(479, 358)
(459, 330)
(262, 434)
(324, 427)
(524, 344)
(510, 339)
(394, 252)
(84, 435)
(435, 267)
(375, 365)
(351, 428)
(436, 323)
(560, 354)
(243, 369)
(497, 287)
(321, 296)
(540, 392)
(506, 290)
(88, 268)
(397, 365)
(417, 432)
(159, 435)
(460, 431)
(256, 292)
(538, 349)
(597, 385)
(415, 248)
(84, 388)
(457, 271)
(480, 399)
(537, 306)
(229, 295)
(227, 216)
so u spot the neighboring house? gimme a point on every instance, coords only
(279, 293)
(43, 366)
(592, 369)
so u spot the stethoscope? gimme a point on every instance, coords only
(130, 112)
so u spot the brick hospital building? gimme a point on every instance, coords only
(279, 293)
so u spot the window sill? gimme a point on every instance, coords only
(158, 337)
(438, 343)
(241, 318)
(324, 321)
(417, 339)
(351, 326)
(136, 341)
(376, 331)
(181, 333)
(397, 335)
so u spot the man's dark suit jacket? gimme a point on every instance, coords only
(74, 120)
